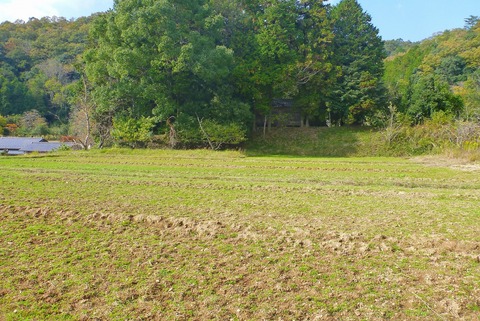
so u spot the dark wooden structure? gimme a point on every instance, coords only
(283, 114)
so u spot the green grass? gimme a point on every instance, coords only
(317, 142)
(432, 139)
(199, 235)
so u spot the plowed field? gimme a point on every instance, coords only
(179, 235)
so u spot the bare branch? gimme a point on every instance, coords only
(205, 133)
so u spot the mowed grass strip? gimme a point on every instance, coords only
(182, 235)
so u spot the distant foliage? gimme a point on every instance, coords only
(438, 74)
(32, 123)
(37, 60)
(206, 72)
(397, 46)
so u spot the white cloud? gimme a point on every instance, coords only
(24, 9)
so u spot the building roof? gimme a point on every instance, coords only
(15, 152)
(17, 143)
(21, 145)
(41, 147)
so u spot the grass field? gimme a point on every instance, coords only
(183, 235)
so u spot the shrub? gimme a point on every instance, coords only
(132, 132)
(435, 135)
(194, 133)
(3, 121)
(220, 135)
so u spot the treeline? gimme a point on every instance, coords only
(37, 68)
(440, 74)
(199, 70)
(434, 93)
(206, 68)
(202, 72)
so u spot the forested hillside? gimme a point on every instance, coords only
(439, 74)
(37, 67)
(201, 72)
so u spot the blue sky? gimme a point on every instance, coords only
(407, 19)
(416, 20)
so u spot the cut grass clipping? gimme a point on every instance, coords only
(181, 235)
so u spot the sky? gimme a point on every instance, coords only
(412, 20)
(12, 10)
(416, 20)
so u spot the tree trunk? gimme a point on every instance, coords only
(265, 126)
(87, 116)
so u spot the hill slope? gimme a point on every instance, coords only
(422, 76)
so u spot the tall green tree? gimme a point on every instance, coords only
(430, 94)
(359, 51)
(314, 72)
(276, 39)
(291, 55)
(163, 59)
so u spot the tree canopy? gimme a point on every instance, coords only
(359, 51)
(438, 74)
(181, 68)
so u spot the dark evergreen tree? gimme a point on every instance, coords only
(359, 51)
(314, 72)
(164, 59)
(14, 95)
(471, 22)
(452, 69)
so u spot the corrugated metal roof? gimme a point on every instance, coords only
(17, 143)
(20, 145)
(41, 147)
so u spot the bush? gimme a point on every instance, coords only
(436, 135)
(158, 142)
(132, 132)
(194, 133)
(221, 135)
